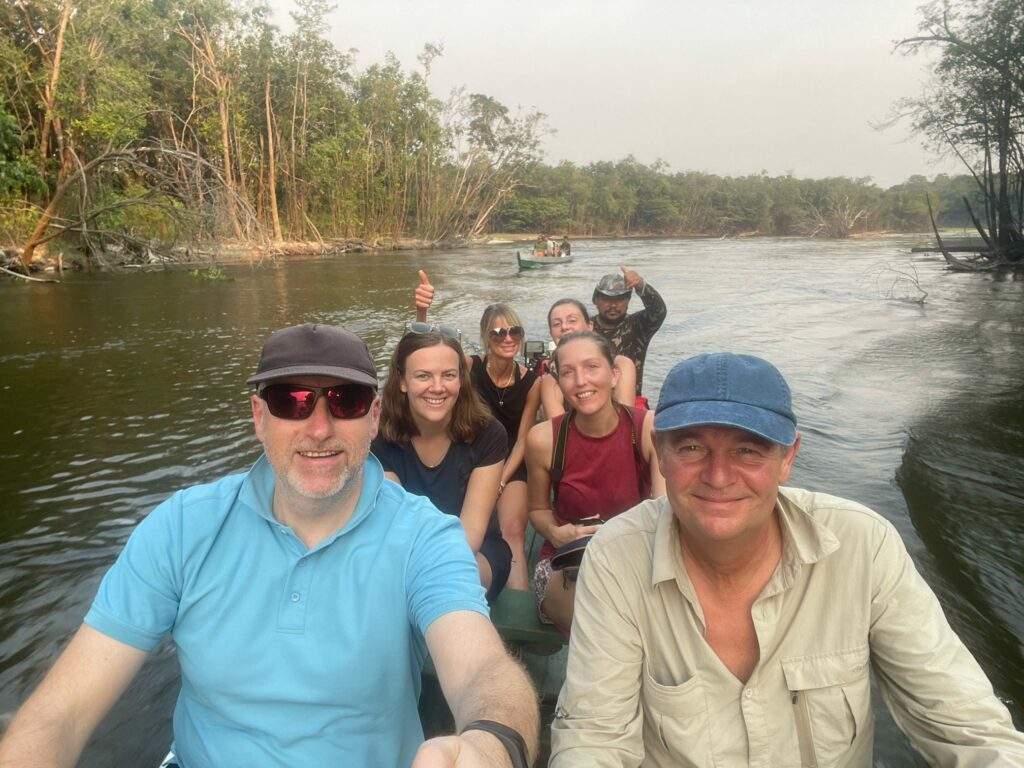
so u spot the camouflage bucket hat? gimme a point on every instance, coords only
(612, 286)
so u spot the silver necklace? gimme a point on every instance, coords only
(503, 390)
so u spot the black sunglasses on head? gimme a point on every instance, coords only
(296, 402)
(515, 331)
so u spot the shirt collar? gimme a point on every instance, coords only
(667, 555)
(257, 492)
(805, 541)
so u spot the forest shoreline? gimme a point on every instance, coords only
(227, 252)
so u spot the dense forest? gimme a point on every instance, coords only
(154, 124)
(628, 197)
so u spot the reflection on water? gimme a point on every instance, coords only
(115, 390)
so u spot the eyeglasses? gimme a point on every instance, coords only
(515, 331)
(296, 402)
(422, 329)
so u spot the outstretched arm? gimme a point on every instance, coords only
(937, 693)
(52, 727)
(480, 682)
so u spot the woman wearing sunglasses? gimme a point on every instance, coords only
(437, 439)
(587, 465)
(566, 316)
(512, 392)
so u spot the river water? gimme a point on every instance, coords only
(117, 389)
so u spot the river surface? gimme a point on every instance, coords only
(117, 389)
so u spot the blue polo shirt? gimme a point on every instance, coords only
(290, 656)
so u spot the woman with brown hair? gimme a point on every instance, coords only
(587, 465)
(437, 439)
(512, 392)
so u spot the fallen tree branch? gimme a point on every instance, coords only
(26, 277)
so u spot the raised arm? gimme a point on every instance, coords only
(937, 693)
(480, 682)
(54, 724)
(654, 312)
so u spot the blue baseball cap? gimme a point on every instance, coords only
(728, 390)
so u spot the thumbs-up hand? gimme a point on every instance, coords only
(631, 277)
(424, 296)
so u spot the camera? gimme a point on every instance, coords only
(537, 354)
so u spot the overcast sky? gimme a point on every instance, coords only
(724, 86)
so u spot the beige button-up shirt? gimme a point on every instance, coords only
(643, 687)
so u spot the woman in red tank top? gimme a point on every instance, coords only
(609, 463)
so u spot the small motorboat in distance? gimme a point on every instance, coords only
(539, 259)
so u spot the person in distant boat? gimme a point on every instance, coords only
(549, 246)
(585, 466)
(438, 439)
(630, 335)
(512, 392)
(737, 622)
(540, 245)
(565, 249)
(302, 596)
(567, 316)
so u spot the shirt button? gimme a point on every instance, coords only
(748, 693)
(296, 597)
(300, 563)
(283, 530)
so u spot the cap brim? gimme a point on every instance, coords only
(334, 372)
(613, 295)
(759, 421)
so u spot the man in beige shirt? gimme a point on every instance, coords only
(736, 622)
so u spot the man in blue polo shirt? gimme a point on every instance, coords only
(303, 597)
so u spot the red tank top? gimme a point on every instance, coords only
(601, 475)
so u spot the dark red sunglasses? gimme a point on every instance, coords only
(296, 402)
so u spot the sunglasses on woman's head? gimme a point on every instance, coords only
(422, 329)
(515, 331)
(296, 402)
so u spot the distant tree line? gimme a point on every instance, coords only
(630, 198)
(180, 120)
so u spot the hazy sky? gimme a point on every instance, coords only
(723, 86)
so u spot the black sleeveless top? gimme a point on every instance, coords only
(506, 403)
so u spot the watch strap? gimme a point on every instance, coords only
(510, 738)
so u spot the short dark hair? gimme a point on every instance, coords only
(575, 302)
(469, 414)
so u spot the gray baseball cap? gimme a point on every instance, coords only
(315, 350)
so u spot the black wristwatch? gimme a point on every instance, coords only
(509, 737)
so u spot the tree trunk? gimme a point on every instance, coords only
(50, 94)
(271, 162)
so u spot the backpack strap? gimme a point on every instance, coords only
(558, 456)
(643, 468)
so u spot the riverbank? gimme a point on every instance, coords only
(116, 257)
